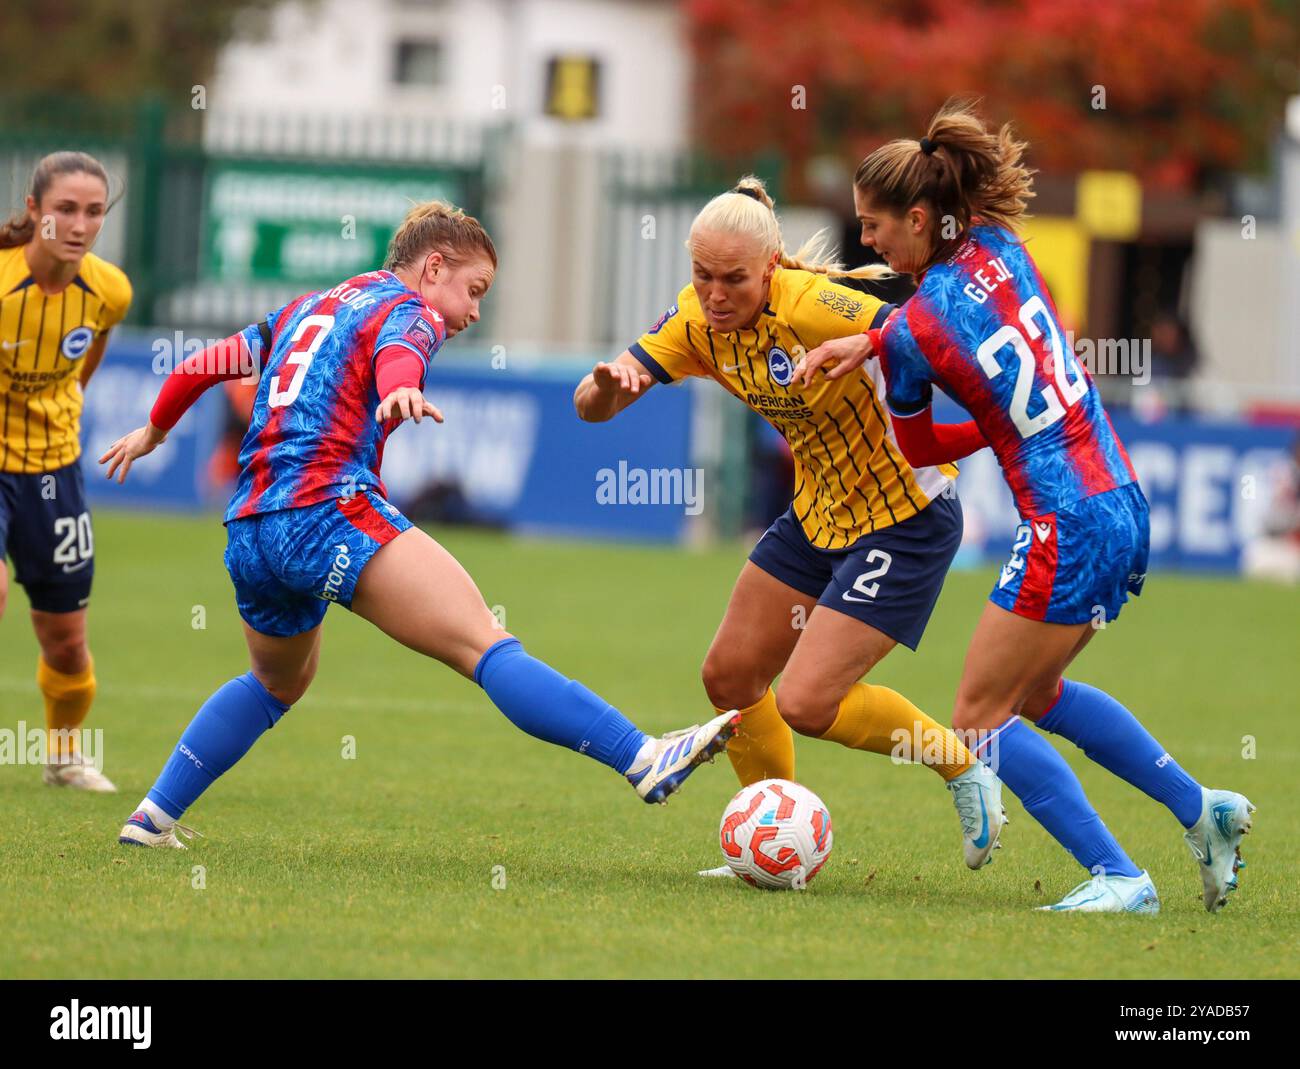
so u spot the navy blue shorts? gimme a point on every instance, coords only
(45, 531)
(1078, 564)
(889, 579)
(288, 566)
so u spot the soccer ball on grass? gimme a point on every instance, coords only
(776, 835)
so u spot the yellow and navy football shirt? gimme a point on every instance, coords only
(43, 338)
(850, 476)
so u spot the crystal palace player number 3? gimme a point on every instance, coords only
(309, 524)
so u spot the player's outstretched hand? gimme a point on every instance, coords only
(129, 448)
(619, 379)
(406, 402)
(842, 354)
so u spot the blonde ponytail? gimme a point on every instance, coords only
(748, 210)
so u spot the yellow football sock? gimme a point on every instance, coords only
(883, 721)
(763, 745)
(67, 701)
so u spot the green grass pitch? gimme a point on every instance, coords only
(453, 845)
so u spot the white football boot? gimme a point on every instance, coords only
(673, 757)
(977, 794)
(76, 772)
(1110, 894)
(721, 872)
(1215, 842)
(140, 830)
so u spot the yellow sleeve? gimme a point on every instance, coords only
(825, 310)
(666, 349)
(115, 288)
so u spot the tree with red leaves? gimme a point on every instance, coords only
(1174, 90)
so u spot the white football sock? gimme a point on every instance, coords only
(162, 820)
(646, 751)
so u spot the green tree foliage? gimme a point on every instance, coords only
(119, 49)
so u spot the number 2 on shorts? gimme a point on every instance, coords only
(863, 584)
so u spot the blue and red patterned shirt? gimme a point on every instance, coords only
(313, 434)
(983, 327)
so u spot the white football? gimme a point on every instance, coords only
(776, 834)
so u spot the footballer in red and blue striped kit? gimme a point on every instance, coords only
(310, 460)
(309, 524)
(312, 437)
(983, 327)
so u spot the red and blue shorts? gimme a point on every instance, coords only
(1079, 564)
(289, 566)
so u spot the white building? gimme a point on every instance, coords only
(479, 61)
(572, 80)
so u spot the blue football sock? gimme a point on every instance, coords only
(221, 732)
(1112, 736)
(1048, 788)
(548, 706)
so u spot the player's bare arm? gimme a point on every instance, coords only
(179, 391)
(610, 388)
(841, 354)
(408, 403)
(129, 448)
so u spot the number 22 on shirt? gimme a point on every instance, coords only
(1069, 390)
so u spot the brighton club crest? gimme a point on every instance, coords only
(780, 366)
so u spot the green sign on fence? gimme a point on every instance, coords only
(308, 224)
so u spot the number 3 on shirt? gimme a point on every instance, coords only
(299, 359)
(1070, 391)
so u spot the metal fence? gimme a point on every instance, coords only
(656, 195)
(226, 215)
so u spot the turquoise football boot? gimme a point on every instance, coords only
(1215, 842)
(1110, 894)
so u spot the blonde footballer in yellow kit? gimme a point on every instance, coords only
(58, 302)
(861, 553)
